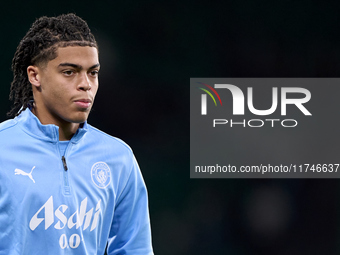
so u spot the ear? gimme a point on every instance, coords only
(33, 73)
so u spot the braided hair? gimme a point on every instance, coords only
(39, 46)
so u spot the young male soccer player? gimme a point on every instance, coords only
(65, 187)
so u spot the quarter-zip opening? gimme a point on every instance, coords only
(63, 148)
(64, 163)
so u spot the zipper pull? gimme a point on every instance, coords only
(64, 163)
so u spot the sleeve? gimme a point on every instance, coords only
(8, 237)
(130, 232)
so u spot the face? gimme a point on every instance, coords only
(64, 89)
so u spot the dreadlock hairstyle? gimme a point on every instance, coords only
(39, 46)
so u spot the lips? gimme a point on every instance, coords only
(83, 103)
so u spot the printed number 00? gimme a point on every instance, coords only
(73, 242)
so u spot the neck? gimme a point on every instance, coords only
(66, 129)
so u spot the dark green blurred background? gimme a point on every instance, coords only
(148, 52)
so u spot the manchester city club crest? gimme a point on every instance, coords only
(101, 174)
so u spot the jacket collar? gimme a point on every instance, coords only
(32, 126)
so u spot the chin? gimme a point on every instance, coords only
(79, 121)
(81, 118)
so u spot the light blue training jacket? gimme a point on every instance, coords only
(91, 197)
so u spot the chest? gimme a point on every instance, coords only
(54, 190)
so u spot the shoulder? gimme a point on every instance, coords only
(112, 150)
(8, 132)
(7, 124)
(110, 141)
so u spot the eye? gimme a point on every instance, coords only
(94, 73)
(68, 72)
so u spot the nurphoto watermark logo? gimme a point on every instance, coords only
(241, 100)
(264, 127)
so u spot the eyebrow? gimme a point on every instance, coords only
(77, 66)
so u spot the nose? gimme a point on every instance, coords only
(84, 83)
